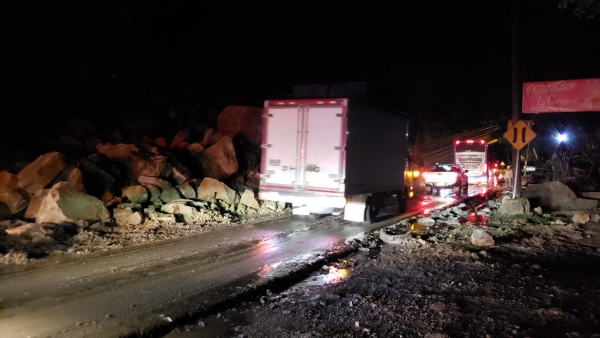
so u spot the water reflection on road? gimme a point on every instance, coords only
(426, 203)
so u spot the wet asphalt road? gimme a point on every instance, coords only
(116, 293)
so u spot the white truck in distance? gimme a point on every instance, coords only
(447, 176)
(334, 155)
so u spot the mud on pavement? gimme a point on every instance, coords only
(539, 279)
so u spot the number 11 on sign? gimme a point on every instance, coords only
(516, 132)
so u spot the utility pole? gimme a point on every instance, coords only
(516, 95)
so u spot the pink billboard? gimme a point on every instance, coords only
(561, 96)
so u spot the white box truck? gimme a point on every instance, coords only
(334, 155)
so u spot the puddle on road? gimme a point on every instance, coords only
(335, 272)
(220, 325)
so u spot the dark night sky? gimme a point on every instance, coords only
(88, 56)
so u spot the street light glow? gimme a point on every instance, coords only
(561, 137)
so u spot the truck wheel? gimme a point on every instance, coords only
(458, 189)
(372, 209)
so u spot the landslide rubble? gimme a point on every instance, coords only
(521, 275)
(104, 191)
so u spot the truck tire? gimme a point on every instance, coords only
(372, 209)
(458, 189)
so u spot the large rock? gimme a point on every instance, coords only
(73, 176)
(154, 192)
(41, 172)
(248, 200)
(8, 180)
(64, 203)
(136, 194)
(180, 141)
(195, 147)
(162, 184)
(33, 209)
(150, 165)
(15, 200)
(188, 213)
(220, 162)
(242, 121)
(96, 181)
(180, 173)
(212, 190)
(127, 216)
(516, 206)
(187, 190)
(121, 150)
(481, 238)
(550, 196)
(28, 229)
(169, 195)
(210, 137)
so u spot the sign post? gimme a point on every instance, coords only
(518, 135)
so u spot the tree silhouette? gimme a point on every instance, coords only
(588, 9)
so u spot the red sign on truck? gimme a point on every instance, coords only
(561, 96)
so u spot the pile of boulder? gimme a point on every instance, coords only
(180, 180)
(549, 211)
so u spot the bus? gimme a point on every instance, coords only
(473, 156)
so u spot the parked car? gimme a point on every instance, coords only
(447, 176)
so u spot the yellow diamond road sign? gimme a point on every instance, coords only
(519, 135)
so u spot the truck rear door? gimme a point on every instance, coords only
(323, 142)
(281, 150)
(304, 145)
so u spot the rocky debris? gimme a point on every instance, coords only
(516, 206)
(81, 223)
(242, 122)
(63, 203)
(481, 238)
(120, 181)
(137, 194)
(580, 218)
(220, 160)
(41, 172)
(120, 150)
(125, 215)
(73, 176)
(441, 282)
(15, 199)
(8, 180)
(390, 236)
(556, 196)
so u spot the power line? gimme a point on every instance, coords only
(473, 133)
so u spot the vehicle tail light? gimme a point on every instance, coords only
(482, 142)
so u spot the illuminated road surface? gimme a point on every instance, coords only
(115, 293)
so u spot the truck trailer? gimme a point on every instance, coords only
(334, 155)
